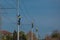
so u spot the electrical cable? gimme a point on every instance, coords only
(27, 13)
(23, 12)
(7, 8)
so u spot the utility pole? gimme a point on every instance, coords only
(19, 18)
(37, 33)
(0, 21)
(32, 30)
(0, 25)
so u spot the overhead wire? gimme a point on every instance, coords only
(24, 16)
(8, 7)
(0, 21)
(4, 11)
(27, 13)
(22, 10)
(10, 4)
(10, 18)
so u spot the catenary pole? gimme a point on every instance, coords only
(19, 18)
(32, 31)
(0, 26)
(37, 34)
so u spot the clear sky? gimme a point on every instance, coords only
(44, 13)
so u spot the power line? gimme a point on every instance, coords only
(2, 7)
(9, 3)
(7, 8)
(25, 16)
(12, 7)
(27, 13)
(11, 19)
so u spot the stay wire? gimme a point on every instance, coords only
(27, 12)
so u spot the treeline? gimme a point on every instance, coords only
(55, 35)
(13, 36)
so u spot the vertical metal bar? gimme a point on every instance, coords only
(18, 14)
(32, 31)
(0, 25)
(37, 33)
(32, 35)
(18, 33)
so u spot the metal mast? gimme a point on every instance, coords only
(19, 18)
(0, 21)
(32, 31)
(37, 34)
(0, 24)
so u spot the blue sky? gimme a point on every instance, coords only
(44, 13)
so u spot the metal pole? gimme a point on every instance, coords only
(37, 34)
(0, 27)
(18, 19)
(32, 34)
(18, 33)
(32, 31)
